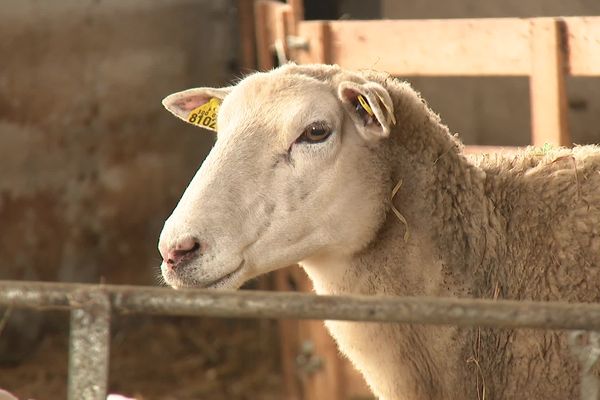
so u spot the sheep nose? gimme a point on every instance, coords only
(184, 250)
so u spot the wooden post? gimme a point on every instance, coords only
(547, 83)
(246, 34)
(297, 9)
(263, 54)
(313, 368)
(327, 380)
(289, 340)
(280, 20)
(318, 35)
(271, 27)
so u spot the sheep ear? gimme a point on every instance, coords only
(197, 106)
(370, 107)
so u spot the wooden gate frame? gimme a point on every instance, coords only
(543, 49)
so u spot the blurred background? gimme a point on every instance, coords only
(91, 165)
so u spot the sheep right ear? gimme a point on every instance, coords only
(198, 106)
(370, 107)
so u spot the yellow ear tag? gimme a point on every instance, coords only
(365, 105)
(205, 116)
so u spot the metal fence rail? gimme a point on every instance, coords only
(91, 307)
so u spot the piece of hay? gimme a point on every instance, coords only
(4, 319)
(481, 394)
(395, 210)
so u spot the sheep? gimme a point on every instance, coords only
(303, 170)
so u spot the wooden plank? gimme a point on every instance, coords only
(318, 35)
(331, 381)
(247, 52)
(297, 9)
(291, 25)
(451, 47)
(583, 44)
(327, 381)
(267, 13)
(263, 50)
(494, 46)
(281, 17)
(289, 339)
(547, 83)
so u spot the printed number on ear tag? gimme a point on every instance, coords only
(205, 116)
(365, 105)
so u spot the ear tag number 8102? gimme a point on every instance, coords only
(205, 116)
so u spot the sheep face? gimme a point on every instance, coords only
(296, 172)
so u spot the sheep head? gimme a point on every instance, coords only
(296, 172)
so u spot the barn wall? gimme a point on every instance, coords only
(496, 110)
(90, 163)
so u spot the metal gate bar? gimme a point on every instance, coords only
(89, 344)
(92, 305)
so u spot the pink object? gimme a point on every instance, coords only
(4, 395)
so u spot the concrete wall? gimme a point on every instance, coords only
(496, 110)
(90, 162)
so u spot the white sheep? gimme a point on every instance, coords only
(302, 172)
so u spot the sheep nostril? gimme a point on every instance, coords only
(186, 250)
(183, 252)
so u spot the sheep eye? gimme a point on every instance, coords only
(315, 133)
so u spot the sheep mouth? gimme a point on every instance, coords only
(187, 280)
(224, 281)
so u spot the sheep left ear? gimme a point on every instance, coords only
(370, 107)
(185, 104)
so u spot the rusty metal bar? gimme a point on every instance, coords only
(255, 304)
(89, 344)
